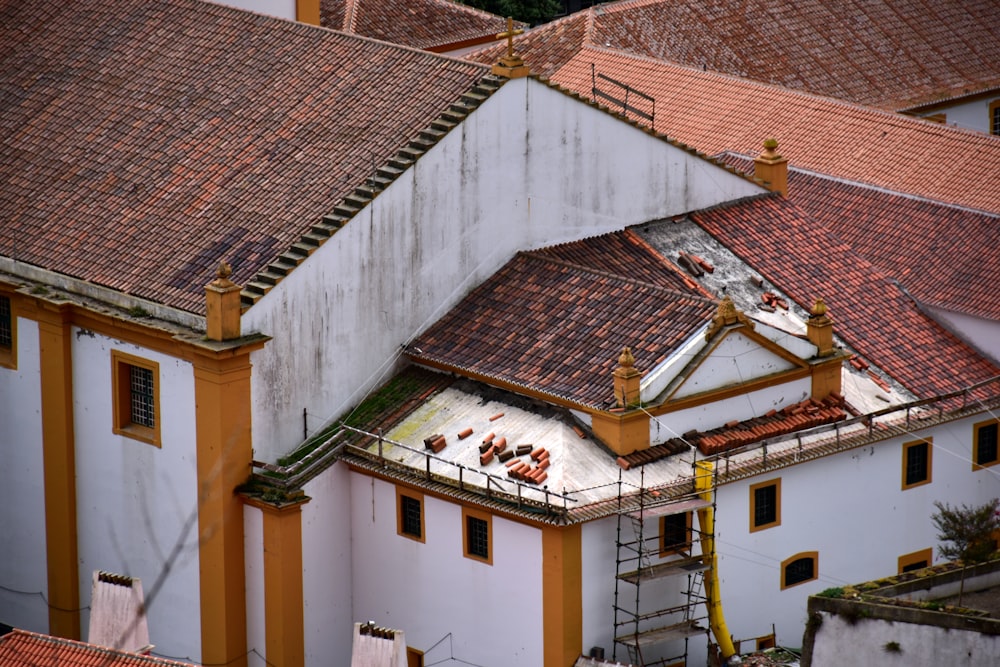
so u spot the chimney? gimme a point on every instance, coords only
(819, 329)
(826, 369)
(772, 168)
(222, 306)
(626, 380)
(622, 429)
(511, 65)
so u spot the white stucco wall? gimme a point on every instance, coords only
(530, 167)
(253, 554)
(740, 407)
(281, 8)
(983, 334)
(848, 507)
(23, 574)
(973, 115)
(448, 605)
(134, 499)
(736, 360)
(327, 569)
(862, 644)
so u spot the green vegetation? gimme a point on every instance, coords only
(532, 12)
(967, 532)
(832, 593)
(892, 647)
(138, 311)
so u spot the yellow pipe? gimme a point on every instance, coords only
(706, 519)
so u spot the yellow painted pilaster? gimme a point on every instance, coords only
(562, 602)
(623, 433)
(307, 11)
(283, 595)
(59, 455)
(222, 416)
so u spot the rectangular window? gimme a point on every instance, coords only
(476, 529)
(8, 333)
(914, 561)
(765, 505)
(995, 117)
(675, 534)
(414, 658)
(136, 403)
(984, 444)
(410, 514)
(799, 569)
(916, 463)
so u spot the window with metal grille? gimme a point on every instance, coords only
(136, 397)
(995, 117)
(985, 453)
(916, 463)
(765, 505)
(410, 516)
(800, 570)
(143, 397)
(6, 328)
(478, 535)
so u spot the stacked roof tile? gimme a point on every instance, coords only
(871, 312)
(137, 158)
(946, 256)
(557, 327)
(891, 54)
(424, 24)
(21, 648)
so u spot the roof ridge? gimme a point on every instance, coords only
(536, 255)
(902, 120)
(381, 177)
(350, 15)
(873, 186)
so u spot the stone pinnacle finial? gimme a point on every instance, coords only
(626, 359)
(224, 270)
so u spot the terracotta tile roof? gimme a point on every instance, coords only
(21, 648)
(625, 254)
(546, 48)
(557, 327)
(423, 24)
(137, 156)
(946, 256)
(870, 311)
(891, 54)
(716, 113)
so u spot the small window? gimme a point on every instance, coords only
(410, 514)
(984, 444)
(995, 117)
(476, 529)
(8, 334)
(765, 505)
(675, 534)
(917, 560)
(799, 569)
(916, 463)
(136, 397)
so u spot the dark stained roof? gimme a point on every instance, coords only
(945, 256)
(423, 24)
(869, 309)
(143, 141)
(717, 113)
(891, 54)
(21, 648)
(558, 327)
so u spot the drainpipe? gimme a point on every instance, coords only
(706, 519)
